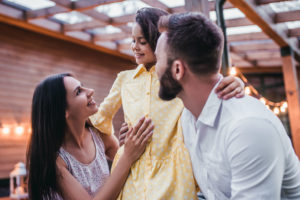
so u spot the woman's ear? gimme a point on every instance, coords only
(178, 70)
(67, 114)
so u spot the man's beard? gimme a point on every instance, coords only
(169, 87)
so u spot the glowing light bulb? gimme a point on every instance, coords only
(283, 109)
(285, 104)
(276, 111)
(247, 90)
(233, 71)
(263, 100)
(19, 130)
(6, 130)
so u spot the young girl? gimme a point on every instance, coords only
(67, 158)
(164, 170)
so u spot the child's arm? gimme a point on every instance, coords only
(102, 120)
(229, 87)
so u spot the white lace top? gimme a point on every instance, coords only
(93, 175)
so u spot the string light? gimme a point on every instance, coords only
(276, 111)
(276, 107)
(263, 101)
(233, 71)
(6, 131)
(19, 130)
(247, 90)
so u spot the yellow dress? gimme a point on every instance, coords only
(164, 171)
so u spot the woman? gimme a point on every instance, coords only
(164, 170)
(66, 157)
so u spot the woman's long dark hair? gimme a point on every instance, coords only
(148, 19)
(48, 124)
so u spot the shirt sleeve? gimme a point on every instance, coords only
(102, 120)
(256, 157)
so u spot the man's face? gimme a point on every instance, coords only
(169, 87)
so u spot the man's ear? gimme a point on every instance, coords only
(178, 70)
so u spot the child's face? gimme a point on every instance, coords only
(141, 48)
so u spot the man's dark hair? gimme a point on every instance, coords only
(148, 18)
(195, 40)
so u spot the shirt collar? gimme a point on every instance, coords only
(211, 108)
(140, 69)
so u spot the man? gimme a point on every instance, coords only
(238, 148)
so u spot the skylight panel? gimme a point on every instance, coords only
(73, 17)
(105, 30)
(292, 25)
(121, 8)
(232, 13)
(285, 6)
(31, 4)
(242, 30)
(173, 3)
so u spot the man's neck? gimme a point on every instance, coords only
(196, 92)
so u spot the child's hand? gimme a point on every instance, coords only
(122, 133)
(229, 87)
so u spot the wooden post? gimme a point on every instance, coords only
(291, 84)
(197, 6)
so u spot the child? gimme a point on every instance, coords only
(164, 171)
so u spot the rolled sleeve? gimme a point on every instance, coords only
(102, 120)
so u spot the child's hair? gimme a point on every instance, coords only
(148, 19)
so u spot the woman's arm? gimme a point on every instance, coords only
(229, 87)
(111, 145)
(135, 144)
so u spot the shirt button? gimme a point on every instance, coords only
(148, 93)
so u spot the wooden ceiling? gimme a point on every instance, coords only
(258, 50)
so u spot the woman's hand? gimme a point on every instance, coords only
(229, 87)
(137, 138)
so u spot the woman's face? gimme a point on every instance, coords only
(80, 102)
(141, 48)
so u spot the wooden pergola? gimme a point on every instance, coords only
(274, 48)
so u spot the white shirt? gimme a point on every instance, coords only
(240, 150)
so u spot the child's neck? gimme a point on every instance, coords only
(148, 66)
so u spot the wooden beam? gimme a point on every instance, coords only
(263, 55)
(41, 30)
(262, 2)
(83, 25)
(238, 22)
(247, 37)
(260, 70)
(253, 46)
(291, 83)
(117, 21)
(197, 6)
(294, 32)
(11, 12)
(264, 18)
(111, 36)
(287, 16)
(85, 5)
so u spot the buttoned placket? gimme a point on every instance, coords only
(147, 99)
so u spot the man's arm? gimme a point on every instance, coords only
(257, 160)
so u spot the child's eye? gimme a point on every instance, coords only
(78, 91)
(143, 42)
